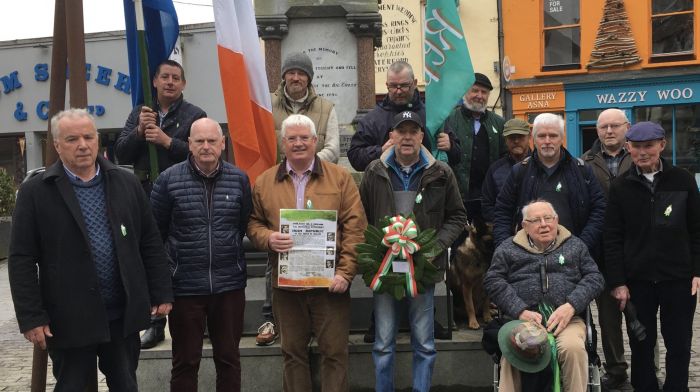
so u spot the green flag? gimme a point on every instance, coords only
(448, 68)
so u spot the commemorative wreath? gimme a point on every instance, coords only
(400, 239)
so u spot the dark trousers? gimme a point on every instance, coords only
(677, 308)
(610, 320)
(117, 359)
(223, 313)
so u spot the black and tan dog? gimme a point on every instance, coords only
(469, 264)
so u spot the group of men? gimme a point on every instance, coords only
(180, 253)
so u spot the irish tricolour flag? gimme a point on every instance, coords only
(246, 94)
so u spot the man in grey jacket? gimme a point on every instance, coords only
(544, 266)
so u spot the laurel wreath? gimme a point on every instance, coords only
(378, 248)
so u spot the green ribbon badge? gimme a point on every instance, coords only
(561, 259)
(494, 129)
(123, 230)
(309, 205)
(668, 211)
(419, 198)
(558, 188)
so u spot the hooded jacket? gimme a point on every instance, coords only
(373, 129)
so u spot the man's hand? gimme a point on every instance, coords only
(280, 242)
(161, 310)
(155, 135)
(338, 285)
(443, 141)
(560, 318)
(695, 285)
(622, 295)
(528, 315)
(147, 117)
(38, 335)
(389, 143)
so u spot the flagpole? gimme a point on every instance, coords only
(145, 81)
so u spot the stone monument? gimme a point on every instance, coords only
(339, 37)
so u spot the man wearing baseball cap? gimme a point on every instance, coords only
(652, 254)
(516, 133)
(418, 184)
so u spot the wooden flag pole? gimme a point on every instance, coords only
(145, 82)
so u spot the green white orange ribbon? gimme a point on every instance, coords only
(398, 237)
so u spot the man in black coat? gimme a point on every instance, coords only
(372, 137)
(167, 126)
(86, 261)
(652, 255)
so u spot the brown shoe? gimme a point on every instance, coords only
(266, 334)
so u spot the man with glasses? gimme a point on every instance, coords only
(296, 95)
(303, 181)
(552, 174)
(609, 159)
(545, 266)
(372, 137)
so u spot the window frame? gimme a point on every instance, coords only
(543, 29)
(671, 56)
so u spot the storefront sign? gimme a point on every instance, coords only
(647, 92)
(402, 38)
(542, 98)
(13, 81)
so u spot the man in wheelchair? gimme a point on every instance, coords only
(545, 275)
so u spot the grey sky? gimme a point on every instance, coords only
(34, 18)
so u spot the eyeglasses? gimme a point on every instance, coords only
(545, 219)
(293, 139)
(402, 86)
(611, 126)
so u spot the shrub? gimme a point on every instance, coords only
(7, 193)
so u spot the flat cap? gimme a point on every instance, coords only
(482, 80)
(645, 131)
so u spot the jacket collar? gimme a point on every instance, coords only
(175, 106)
(310, 96)
(522, 240)
(316, 170)
(56, 170)
(415, 105)
(424, 155)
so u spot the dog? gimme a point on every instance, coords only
(469, 264)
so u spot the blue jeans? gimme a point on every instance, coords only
(421, 318)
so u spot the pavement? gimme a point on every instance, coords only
(16, 352)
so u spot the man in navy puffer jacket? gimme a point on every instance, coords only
(202, 207)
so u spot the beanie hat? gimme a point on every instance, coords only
(300, 61)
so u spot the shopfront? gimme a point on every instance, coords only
(673, 102)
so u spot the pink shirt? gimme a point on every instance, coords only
(300, 180)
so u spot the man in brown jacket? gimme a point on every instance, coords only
(303, 180)
(609, 159)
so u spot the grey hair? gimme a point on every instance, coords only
(208, 120)
(527, 207)
(400, 65)
(298, 120)
(548, 119)
(75, 113)
(614, 110)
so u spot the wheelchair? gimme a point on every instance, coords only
(594, 364)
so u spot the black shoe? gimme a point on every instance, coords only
(153, 335)
(612, 381)
(441, 332)
(369, 336)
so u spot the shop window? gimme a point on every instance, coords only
(561, 35)
(672, 30)
(683, 142)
